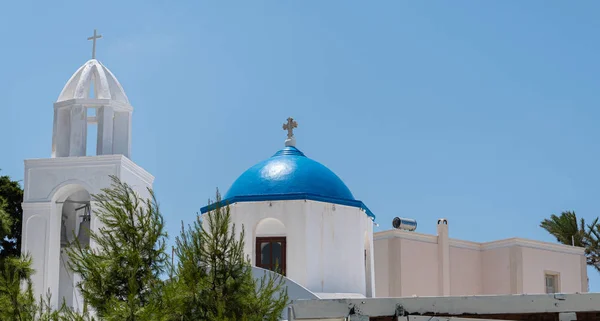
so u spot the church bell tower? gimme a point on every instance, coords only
(57, 204)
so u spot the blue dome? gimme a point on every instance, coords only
(290, 175)
(289, 172)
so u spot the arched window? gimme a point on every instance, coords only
(271, 253)
(271, 245)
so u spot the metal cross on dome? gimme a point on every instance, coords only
(289, 126)
(93, 38)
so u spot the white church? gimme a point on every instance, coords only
(301, 221)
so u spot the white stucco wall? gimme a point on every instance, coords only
(496, 271)
(465, 271)
(405, 266)
(536, 262)
(325, 242)
(419, 272)
(384, 267)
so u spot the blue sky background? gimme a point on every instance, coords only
(483, 112)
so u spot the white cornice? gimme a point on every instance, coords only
(92, 160)
(138, 170)
(73, 161)
(534, 245)
(405, 235)
(461, 244)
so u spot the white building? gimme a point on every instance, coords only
(290, 203)
(300, 218)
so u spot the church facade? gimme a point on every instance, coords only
(300, 219)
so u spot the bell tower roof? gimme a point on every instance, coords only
(105, 84)
(93, 95)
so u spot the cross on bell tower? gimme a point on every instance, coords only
(289, 126)
(93, 38)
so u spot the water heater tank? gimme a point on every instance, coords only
(407, 224)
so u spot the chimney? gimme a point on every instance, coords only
(443, 257)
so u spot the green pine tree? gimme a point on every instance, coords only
(213, 279)
(16, 304)
(121, 275)
(11, 213)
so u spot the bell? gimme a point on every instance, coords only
(83, 236)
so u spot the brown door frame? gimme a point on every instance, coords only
(270, 239)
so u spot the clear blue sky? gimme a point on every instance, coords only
(483, 112)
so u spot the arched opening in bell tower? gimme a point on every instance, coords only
(75, 218)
